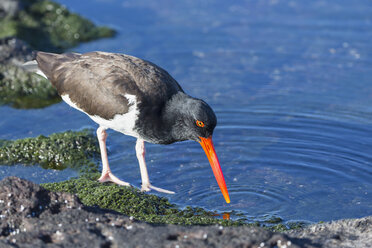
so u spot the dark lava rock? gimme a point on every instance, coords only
(338, 234)
(32, 216)
(15, 51)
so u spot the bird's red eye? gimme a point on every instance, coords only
(200, 123)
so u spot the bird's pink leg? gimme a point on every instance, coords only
(106, 175)
(146, 185)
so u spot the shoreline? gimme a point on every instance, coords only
(32, 216)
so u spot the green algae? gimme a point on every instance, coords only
(132, 202)
(49, 26)
(46, 26)
(150, 208)
(283, 227)
(8, 28)
(78, 150)
(57, 151)
(273, 220)
(21, 89)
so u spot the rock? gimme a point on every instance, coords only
(73, 149)
(338, 234)
(25, 199)
(19, 88)
(131, 201)
(15, 51)
(34, 217)
(47, 25)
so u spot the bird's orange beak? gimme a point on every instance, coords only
(208, 147)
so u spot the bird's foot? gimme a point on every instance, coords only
(148, 187)
(109, 177)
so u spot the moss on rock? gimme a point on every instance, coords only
(48, 26)
(150, 208)
(21, 89)
(132, 202)
(57, 151)
(79, 149)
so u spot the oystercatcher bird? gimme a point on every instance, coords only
(134, 97)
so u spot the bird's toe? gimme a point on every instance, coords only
(149, 187)
(109, 177)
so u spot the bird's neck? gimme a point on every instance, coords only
(161, 126)
(174, 116)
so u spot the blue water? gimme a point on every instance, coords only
(290, 82)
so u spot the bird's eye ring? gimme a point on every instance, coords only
(199, 123)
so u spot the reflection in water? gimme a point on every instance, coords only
(290, 84)
(226, 216)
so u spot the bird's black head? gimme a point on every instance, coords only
(190, 118)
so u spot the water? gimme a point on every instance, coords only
(290, 82)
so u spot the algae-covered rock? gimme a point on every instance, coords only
(21, 89)
(15, 51)
(18, 88)
(132, 202)
(34, 217)
(79, 149)
(57, 151)
(151, 208)
(48, 26)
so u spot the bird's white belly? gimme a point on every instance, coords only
(123, 123)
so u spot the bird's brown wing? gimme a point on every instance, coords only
(97, 82)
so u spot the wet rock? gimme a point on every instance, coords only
(15, 51)
(18, 88)
(34, 217)
(24, 90)
(47, 25)
(57, 151)
(131, 201)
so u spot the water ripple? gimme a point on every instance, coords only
(273, 160)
